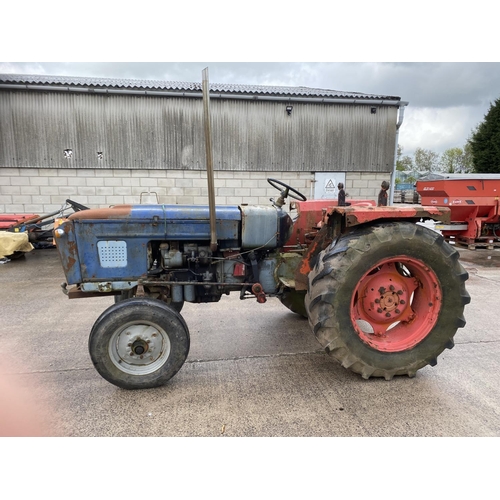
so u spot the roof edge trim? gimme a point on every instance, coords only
(369, 100)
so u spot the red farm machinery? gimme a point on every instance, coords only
(474, 203)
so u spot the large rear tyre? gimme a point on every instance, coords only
(139, 343)
(387, 300)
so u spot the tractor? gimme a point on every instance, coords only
(383, 294)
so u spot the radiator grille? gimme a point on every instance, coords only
(112, 253)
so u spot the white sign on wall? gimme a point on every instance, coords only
(325, 185)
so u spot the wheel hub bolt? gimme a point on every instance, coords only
(139, 347)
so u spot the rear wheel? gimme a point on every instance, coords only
(386, 300)
(139, 343)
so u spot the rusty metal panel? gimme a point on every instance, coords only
(68, 252)
(356, 215)
(143, 132)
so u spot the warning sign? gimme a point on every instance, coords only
(326, 185)
(330, 190)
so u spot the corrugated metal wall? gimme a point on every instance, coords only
(135, 132)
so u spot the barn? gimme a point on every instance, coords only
(104, 141)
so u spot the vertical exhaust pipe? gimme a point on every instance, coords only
(210, 167)
(401, 115)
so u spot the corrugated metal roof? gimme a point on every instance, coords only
(228, 88)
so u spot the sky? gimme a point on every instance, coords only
(414, 50)
(447, 100)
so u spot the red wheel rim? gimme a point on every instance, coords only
(396, 304)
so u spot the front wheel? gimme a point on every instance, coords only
(139, 343)
(386, 300)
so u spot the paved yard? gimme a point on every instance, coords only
(253, 370)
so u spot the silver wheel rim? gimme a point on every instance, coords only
(139, 348)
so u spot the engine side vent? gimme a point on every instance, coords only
(112, 253)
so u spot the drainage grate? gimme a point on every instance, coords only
(112, 253)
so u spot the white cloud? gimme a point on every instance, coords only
(437, 129)
(23, 68)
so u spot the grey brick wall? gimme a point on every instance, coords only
(44, 190)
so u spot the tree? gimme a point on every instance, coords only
(450, 160)
(456, 160)
(426, 160)
(468, 158)
(485, 142)
(403, 163)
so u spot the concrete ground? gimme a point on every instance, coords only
(253, 370)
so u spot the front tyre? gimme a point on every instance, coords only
(386, 300)
(139, 343)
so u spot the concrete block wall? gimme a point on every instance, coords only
(365, 185)
(42, 190)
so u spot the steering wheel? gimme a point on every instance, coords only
(288, 191)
